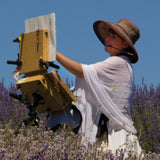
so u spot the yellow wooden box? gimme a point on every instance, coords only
(56, 94)
(32, 46)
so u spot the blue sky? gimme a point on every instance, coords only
(74, 31)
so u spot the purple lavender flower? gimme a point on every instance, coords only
(65, 157)
(18, 156)
(44, 149)
(78, 157)
(146, 116)
(2, 153)
(111, 157)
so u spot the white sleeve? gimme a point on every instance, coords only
(113, 69)
(101, 94)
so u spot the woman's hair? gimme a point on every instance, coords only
(128, 52)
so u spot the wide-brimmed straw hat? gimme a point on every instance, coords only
(126, 29)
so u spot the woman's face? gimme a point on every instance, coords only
(113, 40)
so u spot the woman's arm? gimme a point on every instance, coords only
(72, 66)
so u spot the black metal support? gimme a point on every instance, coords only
(47, 64)
(17, 40)
(17, 62)
(33, 118)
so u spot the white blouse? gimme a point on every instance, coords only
(107, 88)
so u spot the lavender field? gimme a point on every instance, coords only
(36, 142)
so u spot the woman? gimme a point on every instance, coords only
(106, 88)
